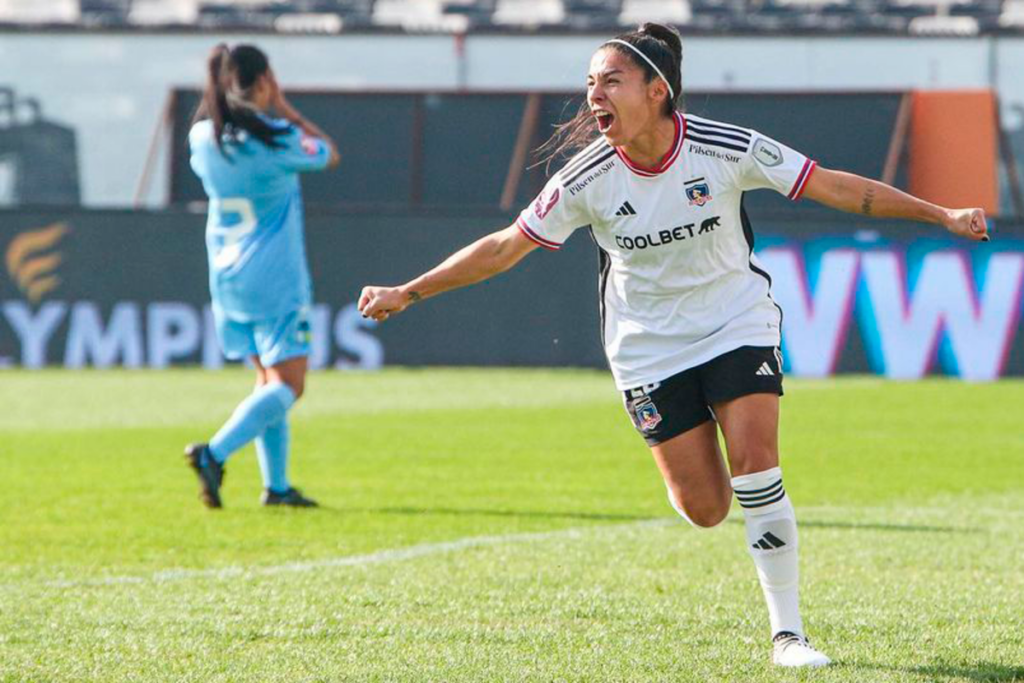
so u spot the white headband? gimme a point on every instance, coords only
(647, 59)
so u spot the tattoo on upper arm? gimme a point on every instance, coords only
(867, 201)
(414, 297)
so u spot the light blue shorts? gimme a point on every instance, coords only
(274, 340)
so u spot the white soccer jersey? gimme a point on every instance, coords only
(679, 282)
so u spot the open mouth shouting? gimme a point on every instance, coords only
(604, 120)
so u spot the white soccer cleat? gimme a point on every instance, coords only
(793, 650)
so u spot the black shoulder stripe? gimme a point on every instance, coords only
(582, 159)
(592, 164)
(716, 143)
(711, 132)
(720, 126)
(585, 154)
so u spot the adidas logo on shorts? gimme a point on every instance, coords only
(765, 370)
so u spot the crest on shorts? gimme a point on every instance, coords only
(647, 415)
(698, 194)
(303, 332)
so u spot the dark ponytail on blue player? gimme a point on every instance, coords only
(660, 44)
(231, 74)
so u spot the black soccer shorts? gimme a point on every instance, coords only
(668, 408)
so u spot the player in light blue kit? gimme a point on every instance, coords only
(249, 161)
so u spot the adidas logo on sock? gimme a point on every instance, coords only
(769, 542)
(765, 370)
(626, 210)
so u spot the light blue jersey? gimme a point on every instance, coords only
(254, 232)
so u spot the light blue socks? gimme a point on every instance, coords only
(272, 453)
(262, 409)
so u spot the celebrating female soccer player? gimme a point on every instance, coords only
(688, 322)
(249, 163)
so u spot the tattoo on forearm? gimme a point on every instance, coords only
(869, 198)
(414, 297)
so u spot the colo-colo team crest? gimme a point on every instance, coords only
(647, 415)
(698, 192)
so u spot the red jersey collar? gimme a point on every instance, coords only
(666, 161)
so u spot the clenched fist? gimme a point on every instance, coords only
(379, 303)
(969, 223)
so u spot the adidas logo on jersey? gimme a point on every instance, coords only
(765, 370)
(769, 542)
(626, 210)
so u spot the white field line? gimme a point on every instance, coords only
(876, 514)
(379, 557)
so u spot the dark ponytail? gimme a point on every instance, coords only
(231, 74)
(663, 46)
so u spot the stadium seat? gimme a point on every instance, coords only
(944, 25)
(163, 12)
(592, 14)
(478, 13)
(228, 14)
(827, 16)
(925, 16)
(308, 22)
(814, 5)
(35, 12)
(716, 15)
(766, 22)
(1012, 15)
(900, 14)
(815, 16)
(529, 13)
(839, 18)
(353, 13)
(935, 6)
(676, 12)
(780, 13)
(104, 12)
(418, 15)
(985, 12)
(240, 5)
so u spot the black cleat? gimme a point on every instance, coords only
(209, 471)
(291, 498)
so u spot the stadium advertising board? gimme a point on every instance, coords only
(102, 289)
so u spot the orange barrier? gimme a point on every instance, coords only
(954, 159)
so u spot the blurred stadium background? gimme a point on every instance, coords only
(437, 105)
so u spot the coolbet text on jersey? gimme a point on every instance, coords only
(680, 284)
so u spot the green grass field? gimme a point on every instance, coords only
(490, 526)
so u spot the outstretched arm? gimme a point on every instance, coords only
(482, 259)
(855, 194)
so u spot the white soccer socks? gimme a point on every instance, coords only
(772, 542)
